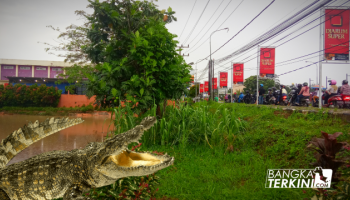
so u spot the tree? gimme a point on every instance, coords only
(193, 89)
(134, 54)
(71, 41)
(250, 84)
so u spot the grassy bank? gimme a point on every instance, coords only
(222, 151)
(271, 139)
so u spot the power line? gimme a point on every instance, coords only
(309, 12)
(188, 19)
(258, 41)
(278, 22)
(214, 23)
(207, 22)
(293, 58)
(243, 28)
(196, 22)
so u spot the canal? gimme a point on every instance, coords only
(93, 129)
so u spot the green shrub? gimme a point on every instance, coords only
(29, 96)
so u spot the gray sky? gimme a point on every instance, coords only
(23, 25)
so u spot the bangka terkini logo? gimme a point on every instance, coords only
(299, 178)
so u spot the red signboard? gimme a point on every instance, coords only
(238, 75)
(201, 88)
(337, 34)
(206, 86)
(223, 79)
(267, 61)
(215, 85)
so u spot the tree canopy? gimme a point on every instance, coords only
(132, 54)
(250, 84)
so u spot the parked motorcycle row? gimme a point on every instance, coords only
(337, 97)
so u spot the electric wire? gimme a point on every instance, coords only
(206, 23)
(289, 34)
(276, 23)
(188, 19)
(196, 23)
(226, 63)
(216, 28)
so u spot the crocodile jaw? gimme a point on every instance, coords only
(130, 163)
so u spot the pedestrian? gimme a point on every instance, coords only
(261, 94)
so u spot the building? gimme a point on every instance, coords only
(29, 72)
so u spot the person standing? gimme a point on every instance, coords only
(261, 94)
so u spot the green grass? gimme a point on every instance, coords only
(272, 139)
(261, 138)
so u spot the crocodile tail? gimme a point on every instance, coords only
(30, 133)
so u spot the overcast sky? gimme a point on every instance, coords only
(23, 25)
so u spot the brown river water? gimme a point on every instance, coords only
(93, 129)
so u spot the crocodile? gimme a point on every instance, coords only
(69, 174)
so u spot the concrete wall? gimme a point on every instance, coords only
(72, 100)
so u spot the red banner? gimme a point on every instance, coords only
(267, 61)
(206, 86)
(337, 34)
(192, 79)
(223, 79)
(215, 85)
(201, 88)
(238, 75)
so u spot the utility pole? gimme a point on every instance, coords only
(231, 80)
(181, 47)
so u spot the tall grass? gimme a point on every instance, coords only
(184, 125)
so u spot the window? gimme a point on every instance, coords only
(57, 69)
(40, 68)
(24, 68)
(8, 67)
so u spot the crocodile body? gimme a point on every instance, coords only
(68, 174)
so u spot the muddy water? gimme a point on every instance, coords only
(93, 129)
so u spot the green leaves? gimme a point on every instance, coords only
(170, 10)
(114, 92)
(141, 91)
(137, 34)
(115, 14)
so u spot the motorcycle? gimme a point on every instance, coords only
(335, 101)
(272, 100)
(292, 97)
(284, 101)
(346, 99)
(247, 98)
(315, 104)
(305, 101)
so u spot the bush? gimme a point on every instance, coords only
(29, 96)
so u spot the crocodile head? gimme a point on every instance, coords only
(117, 161)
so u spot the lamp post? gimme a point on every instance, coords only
(211, 64)
(316, 69)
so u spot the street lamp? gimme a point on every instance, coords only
(211, 69)
(316, 70)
